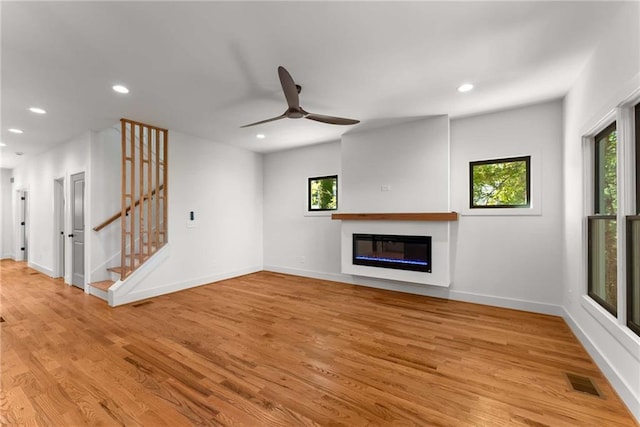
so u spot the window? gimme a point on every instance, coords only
(500, 183)
(323, 193)
(602, 226)
(633, 244)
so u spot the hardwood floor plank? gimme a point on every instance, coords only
(20, 411)
(270, 349)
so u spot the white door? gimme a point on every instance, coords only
(77, 230)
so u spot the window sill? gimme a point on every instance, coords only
(532, 211)
(319, 213)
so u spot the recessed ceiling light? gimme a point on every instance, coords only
(37, 110)
(2, 144)
(14, 130)
(465, 87)
(260, 136)
(120, 89)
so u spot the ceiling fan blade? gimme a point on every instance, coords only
(289, 88)
(331, 120)
(265, 121)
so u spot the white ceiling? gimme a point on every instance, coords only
(206, 68)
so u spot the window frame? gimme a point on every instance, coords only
(622, 111)
(526, 159)
(318, 178)
(597, 215)
(635, 327)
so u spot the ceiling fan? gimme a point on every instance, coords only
(295, 111)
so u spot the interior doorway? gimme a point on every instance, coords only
(58, 228)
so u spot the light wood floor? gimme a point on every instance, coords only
(275, 350)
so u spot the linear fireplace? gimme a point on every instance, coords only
(393, 251)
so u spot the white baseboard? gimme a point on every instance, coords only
(307, 273)
(425, 290)
(180, 286)
(8, 256)
(390, 285)
(512, 303)
(617, 382)
(40, 268)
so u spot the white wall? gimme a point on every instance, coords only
(508, 258)
(223, 186)
(612, 75)
(294, 239)
(411, 159)
(7, 249)
(105, 187)
(37, 176)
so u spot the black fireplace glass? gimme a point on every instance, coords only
(393, 251)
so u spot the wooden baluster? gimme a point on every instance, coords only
(165, 192)
(157, 198)
(149, 189)
(123, 177)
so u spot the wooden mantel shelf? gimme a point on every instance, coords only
(417, 216)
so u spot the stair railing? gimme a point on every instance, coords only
(116, 216)
(143, 215)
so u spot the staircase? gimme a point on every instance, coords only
(143, 214)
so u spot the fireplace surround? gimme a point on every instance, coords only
(435, 225)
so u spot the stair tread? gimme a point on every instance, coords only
(103, 285)
(137, 261)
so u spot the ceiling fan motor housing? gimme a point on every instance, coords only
(293, 113)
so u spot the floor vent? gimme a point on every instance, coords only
(142, 303)
(583, 384)
(1, 319)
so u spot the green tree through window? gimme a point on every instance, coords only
(323, 193)
(603, 232)
(606, 172)
(500, 183)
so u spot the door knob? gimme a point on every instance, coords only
(70, 235)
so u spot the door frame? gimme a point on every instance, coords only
(59, 224)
